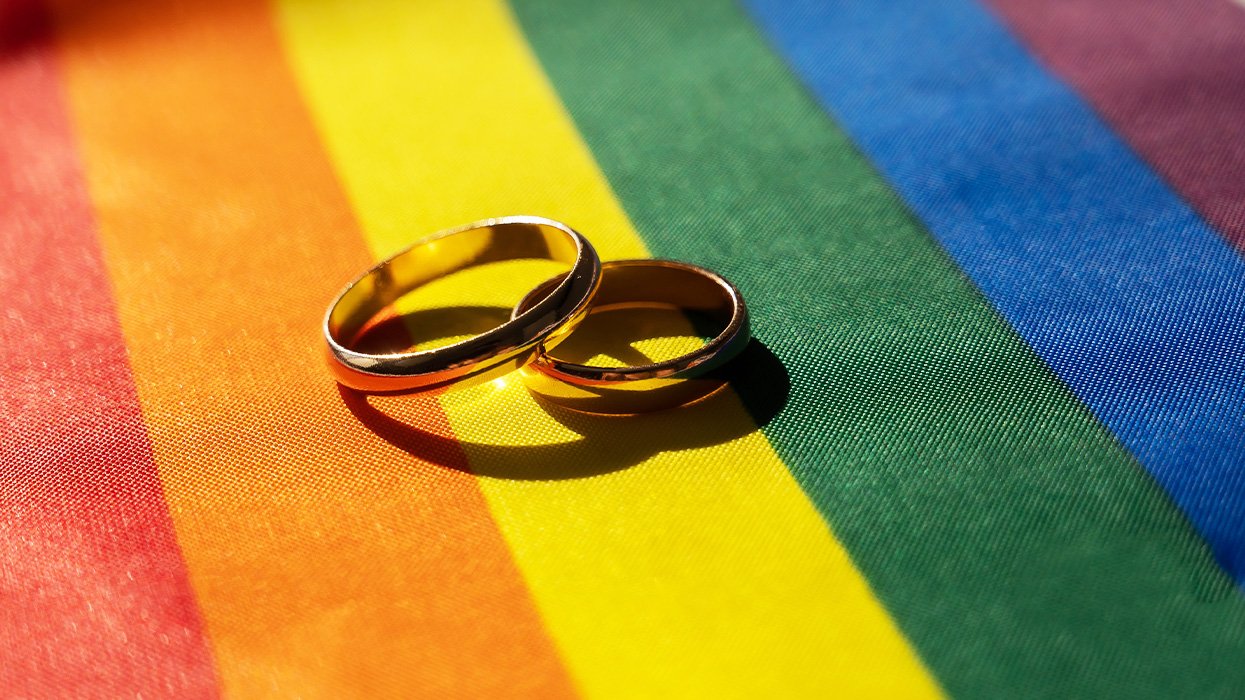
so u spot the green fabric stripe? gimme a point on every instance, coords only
(1023, 552)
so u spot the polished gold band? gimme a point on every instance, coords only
(642, 388)
(548, 317)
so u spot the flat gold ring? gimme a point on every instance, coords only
(649, 387)
(547, 319)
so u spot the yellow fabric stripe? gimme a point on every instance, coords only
(697, 571)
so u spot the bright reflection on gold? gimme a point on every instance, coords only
(644, 299)
(374, 298)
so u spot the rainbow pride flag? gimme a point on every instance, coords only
(991, 443)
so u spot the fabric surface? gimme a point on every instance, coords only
(988, 441)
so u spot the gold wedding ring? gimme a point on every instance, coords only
(545, 320)
(631, 284)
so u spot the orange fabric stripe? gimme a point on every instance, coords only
(327, 563)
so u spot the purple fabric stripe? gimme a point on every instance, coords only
(1170, 79)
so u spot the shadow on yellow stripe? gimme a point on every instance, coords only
(700, 570)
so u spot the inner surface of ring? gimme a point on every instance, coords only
(707, 303)
(385, 284)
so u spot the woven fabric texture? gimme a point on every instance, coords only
(987, 441)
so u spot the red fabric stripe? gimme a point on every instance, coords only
(94, 598)
(1168, 76)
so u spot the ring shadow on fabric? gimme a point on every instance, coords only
(604, 443)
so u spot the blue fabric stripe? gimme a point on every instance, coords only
(1117, 284)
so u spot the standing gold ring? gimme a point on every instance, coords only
(641, 388)
(546, 320)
